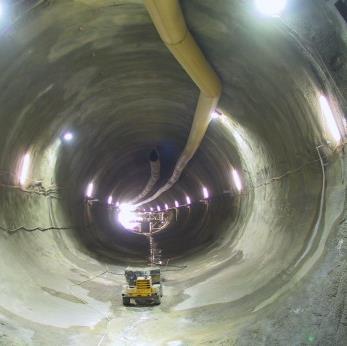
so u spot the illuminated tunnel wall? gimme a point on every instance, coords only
(261, 266)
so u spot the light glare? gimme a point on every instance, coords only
(237, 180)
(329, 117)
(166, 206)
(127, 207)
(176, 204)
(271, 8)
(109, 200)
(205, 192)
(90, 189)
(158, 208)
(68, 136)
(214, 115)
(128, 217)
(151, 209)
(24, 171)
(188, 199)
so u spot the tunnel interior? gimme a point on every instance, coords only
(99, 71)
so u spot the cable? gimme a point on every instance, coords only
(35, 188)
(41, 229)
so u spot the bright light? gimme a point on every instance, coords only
(166, 206)
(151, 209)
(205, 192)
(127, 207)
(344, 122)
(158, 208)
(329, 117)
(128, 217)
(215, 115)
(237, 180)
(68, 136)
(176, 204)
(271, 8)
(117, 204)
(188, 199)
(24, 170)
(90, 188)
(109, 200)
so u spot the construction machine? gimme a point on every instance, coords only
(143, 287)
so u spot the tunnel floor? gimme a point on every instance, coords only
(313, 309)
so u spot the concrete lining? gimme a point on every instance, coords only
(235, 267)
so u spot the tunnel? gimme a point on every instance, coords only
(254, 252)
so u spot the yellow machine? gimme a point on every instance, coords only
(143, 287)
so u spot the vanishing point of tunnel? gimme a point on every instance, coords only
(205, 138)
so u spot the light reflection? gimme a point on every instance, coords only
(237, 180)
(151, 209)
(109, 200)
(329, 118)
(216, 114)
(68, 136)
(205, 192)
(166, 206)
(188, 200)
(158, 208)
(128, 217)
(271, 8)
(24, 170)
(90, 189)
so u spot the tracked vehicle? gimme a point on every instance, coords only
(143, 287)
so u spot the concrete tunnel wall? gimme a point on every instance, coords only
(101, 70)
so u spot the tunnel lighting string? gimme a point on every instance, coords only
(271, 180)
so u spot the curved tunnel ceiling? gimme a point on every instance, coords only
(232, 260)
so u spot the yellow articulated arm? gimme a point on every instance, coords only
(168, 19)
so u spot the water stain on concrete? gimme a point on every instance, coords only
(62, 295)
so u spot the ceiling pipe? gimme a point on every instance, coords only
(155, 175)
(169, 21)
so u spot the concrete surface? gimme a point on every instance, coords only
(263, 267)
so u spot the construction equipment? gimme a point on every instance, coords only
(143, 287)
